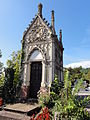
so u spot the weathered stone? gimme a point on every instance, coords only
(40, 46)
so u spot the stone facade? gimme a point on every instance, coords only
(40, 44)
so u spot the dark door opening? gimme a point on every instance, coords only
(35, 79)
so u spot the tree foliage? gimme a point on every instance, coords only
(79, 73)
(8, 89)
(1, 76)
(2, 80)
(55, 88)
(15, 63)
(1, 64)
(75, 74)
(87, 74)
(12, 77)
(65, 102)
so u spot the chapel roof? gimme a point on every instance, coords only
(40, 16)
(51, 27)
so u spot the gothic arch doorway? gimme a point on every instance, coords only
(35, 73)
(35, 79)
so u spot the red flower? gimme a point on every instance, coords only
(43, 116)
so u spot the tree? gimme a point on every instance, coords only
(15, 63)
(2, 79)
(75, 74)
(8, 88)
(87, 76)
(12, 77)
(1, 76)
(1, 64)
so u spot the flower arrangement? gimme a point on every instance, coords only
(44, 115)
(1, 101)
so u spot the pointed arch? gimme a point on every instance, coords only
(36, 52)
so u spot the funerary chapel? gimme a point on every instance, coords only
(42, 55)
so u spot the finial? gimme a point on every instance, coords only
(52, 22)
(53, 15)
(60, 35)
(40, 9)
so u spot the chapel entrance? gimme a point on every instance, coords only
(35, 79)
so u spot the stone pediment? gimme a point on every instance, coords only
(38, 31)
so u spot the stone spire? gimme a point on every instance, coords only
(52, 22)
(40, 9)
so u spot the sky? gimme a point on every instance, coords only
(72, 16)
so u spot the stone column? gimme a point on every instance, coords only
(28, 77)
(23, 94)
(43, 74)
(25, 74)
(26, 82)
(53, 59)
(28, 73)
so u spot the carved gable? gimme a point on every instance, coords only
(38, 32)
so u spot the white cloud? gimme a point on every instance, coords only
(84, 64)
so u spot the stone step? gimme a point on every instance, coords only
(6, 115)
(32, 100)
(23, 108)
(19, 111)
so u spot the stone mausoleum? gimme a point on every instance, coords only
(42, 55)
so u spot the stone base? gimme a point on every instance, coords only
(24, 92)
(42, 91)
(45, 90)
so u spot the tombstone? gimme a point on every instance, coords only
(42, 55)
